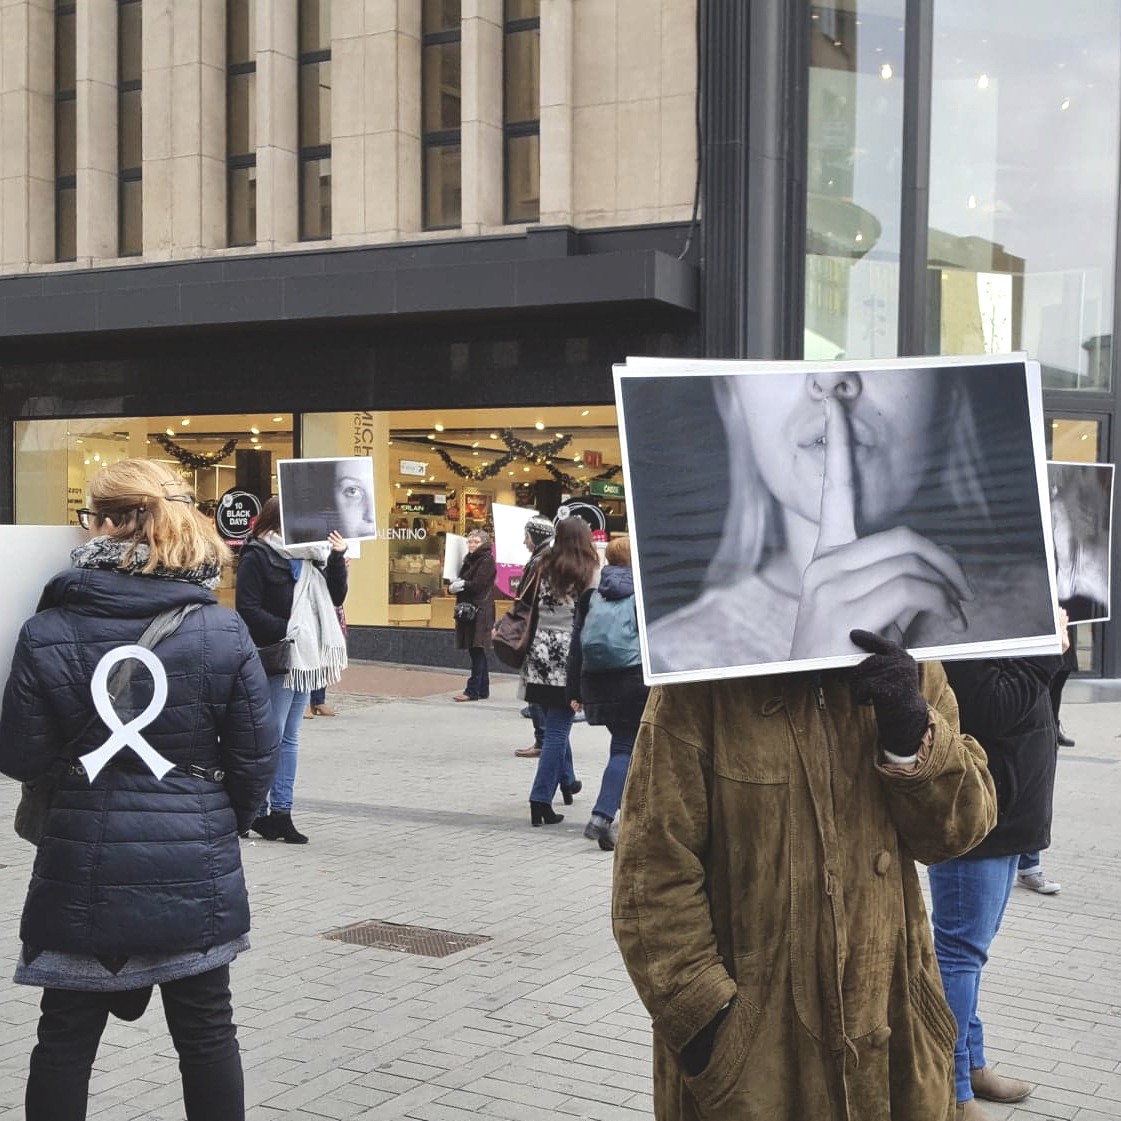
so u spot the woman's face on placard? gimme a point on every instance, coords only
(353, 502)
(890, 427)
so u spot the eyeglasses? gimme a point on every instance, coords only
(86, 516)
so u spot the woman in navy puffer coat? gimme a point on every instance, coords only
(138, 878)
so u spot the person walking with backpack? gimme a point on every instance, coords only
(605, 678)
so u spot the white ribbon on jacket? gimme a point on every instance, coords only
(127, 735)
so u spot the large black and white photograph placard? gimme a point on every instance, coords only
(319, 496)
(1081, 521)
(774, 507)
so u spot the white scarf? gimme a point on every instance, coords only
(318, 645)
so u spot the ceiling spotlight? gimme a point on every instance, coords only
(87, 462)
(97, 458)
(438, 427)
(526, 470)
(540, 426)
(432, 435)
(494, 435)
(886, 72)
(185, 421)
(255, 430)
(170, 431)
(475, 444)
(511, 472)
(585, 412)
(277, 419)
(78, 440)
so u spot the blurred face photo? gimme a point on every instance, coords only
(890, 426)
(353, 501)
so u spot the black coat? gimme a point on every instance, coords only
(1005, 704)
(131, 863)
(613, 697)
(265, 585)
(478, 573)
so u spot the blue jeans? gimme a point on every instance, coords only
(478, 684)
(288, 711)
(554, 764)
(537, 716)
(1029, 862)
(318, 697)
(615, 773)
(968, 898)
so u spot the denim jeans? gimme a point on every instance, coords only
(967, 898)
(318, 697)
(537, 716)
(615, 773)
(199, 1017)
(478, 684)
(554, 764)
(1029, 862)
(288, 711)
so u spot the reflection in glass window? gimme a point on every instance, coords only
(65, 141)
(315, 119)
(1021, 241)
(441, 114)
(130, 154)
(854, 178)
(522, 110)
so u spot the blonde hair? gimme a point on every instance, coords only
(151, 505)
(618, 551)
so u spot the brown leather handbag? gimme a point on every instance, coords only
(513, 633)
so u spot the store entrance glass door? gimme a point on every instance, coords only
(1081, 439)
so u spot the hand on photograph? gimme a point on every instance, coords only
(337, 541)
(884, 581)
(1064, 634)
(575, 705)
(888, 680)
(456, 586)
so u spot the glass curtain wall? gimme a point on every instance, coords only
(315, 119)
(854, 175)
(1023, 183)
(241, 122)
(440, 114)
(130, 153)
(65, 132)
(522, 110)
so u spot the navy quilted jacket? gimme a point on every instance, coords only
(133, 864)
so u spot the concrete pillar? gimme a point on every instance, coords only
(26, 133)
(277, 125)
(96, 72)
(481, 129)
(556, 112)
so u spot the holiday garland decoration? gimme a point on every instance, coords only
(541, 454)
(195, 459)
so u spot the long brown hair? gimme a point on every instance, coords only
(150, 504)
(268, 520)
(570, 565)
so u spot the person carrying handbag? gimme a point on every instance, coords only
(474, 612)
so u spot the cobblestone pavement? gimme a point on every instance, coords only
(416, 809)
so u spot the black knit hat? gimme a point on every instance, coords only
(539, 530)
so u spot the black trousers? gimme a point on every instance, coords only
(199, 1017)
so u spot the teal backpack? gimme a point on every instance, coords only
(609, 637)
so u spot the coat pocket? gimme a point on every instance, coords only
(724, 1070)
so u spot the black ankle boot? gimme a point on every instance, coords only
(568, 791)
(541, 813)
(285, 830)
(265, 827)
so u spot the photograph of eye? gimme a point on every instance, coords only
(319, 496)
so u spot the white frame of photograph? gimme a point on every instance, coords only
(363, 471)
(1033, 504)
(1097, 469)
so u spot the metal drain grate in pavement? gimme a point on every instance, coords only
(405, 939)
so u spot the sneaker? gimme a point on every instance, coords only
(1038, 882)
(1064, 739)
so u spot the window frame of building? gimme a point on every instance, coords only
(310, 154)
(66, 99)
(514, 131)
(443, 140)
(128, 176)
(239, 162)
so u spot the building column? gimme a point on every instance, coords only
(26, 133)
(277, 125)
(184, 128)
(556, 112)
(481, 155)
(96, 74)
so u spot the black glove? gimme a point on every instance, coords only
(889, 681)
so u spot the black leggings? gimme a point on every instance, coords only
(199, 1017)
